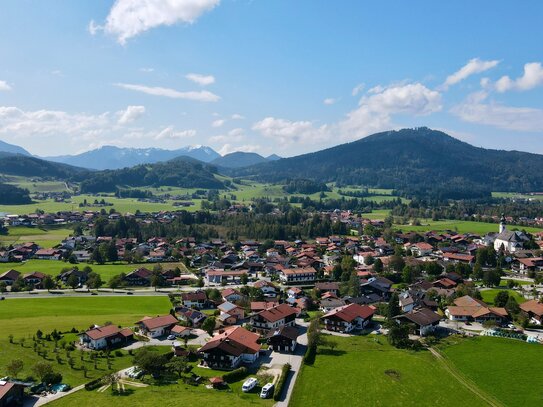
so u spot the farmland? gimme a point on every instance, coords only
(459, 226)
(368, 371)
(45, 237)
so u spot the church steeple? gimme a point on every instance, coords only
(502, 223)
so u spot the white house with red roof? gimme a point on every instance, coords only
(348, 318)
(157, 326)
(107, 336)
(274, 317)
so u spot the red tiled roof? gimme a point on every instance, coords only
(158, 322)
(234, 340)
(278, 312)
(107, 330)
(350, 312)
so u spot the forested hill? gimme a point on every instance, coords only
(180, 172)
(239, 159)
(419, 161)
(26, 166)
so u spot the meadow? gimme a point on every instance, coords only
(506, 368)
(44, 236)
(489, 295)
(459, 226)
(366, 370)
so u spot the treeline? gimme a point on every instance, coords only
(175, 173)
(12, 195)
(304, 186)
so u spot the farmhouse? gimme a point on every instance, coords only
(283, 339)
(467, 308)
(533, 310)
(106, 336)
(196, 299)
(157, 326)
(34, 279)
(230, 347)
(348, 318)
(140, 276)
(275, 317)
(425, 320)
(48, 254)
(9, 277)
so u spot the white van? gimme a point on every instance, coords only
(266, 391)
(249, 384)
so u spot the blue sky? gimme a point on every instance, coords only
(283, 77)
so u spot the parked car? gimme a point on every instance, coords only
(249, 384)
(170, 337)
(266, 391)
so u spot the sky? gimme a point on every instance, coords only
(282, 76)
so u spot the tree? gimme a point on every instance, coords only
(111, 380)
(512, 306)
(3, 287)
(477, 271)
(115, 282)
(378, 266)
(393, 307)
(244, 279)
(48, 283)
(156, 281)
(501, 299)
(112, 254)
(14, 367)
(398, 335)
(209, 325)
(178, 365)
(492, 277)
(97, 256)
(408, 275)
(354, 284)
(73, 281)
(94, 281)
(42, 370)
(150, 362)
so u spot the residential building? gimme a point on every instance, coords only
(157, 326)
(348, 318)
(108, 336)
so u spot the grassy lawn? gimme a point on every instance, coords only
(22, 317)
(45, 237)
(489, 295)
(53, 267)
(361, 372)
(505, 368)
(460, 226)
(166, 396)
(378, 214)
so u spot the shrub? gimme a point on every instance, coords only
(281, 382)
(310, 354)
(118, 353)
(93, 384)
(235, 375)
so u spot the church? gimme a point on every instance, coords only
(508, 241)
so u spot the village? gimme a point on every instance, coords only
(250, 305)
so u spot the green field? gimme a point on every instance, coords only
(459, 226)
(378, 214)
(489, 295)
(362, 371)
(24, 316)
(514, 195)
(44, 237)
(508, 369)
(53, 267)
(167, 396)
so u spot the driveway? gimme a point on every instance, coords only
(201, 338)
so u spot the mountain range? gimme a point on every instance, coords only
(13, 149)
(415, 162)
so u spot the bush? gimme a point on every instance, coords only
(118, 353)
(310, 354)
(235, 375)
(52, 378)
(281, 382)
(94, 384)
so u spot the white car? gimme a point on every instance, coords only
(171, 337)
(249, 384)
(266, 391)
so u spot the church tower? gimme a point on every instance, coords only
(502, 223)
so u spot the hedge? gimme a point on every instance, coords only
(235, 375)
(281, 382)
(310, 354)
(94, 384)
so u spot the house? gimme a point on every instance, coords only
(458, 257)
(446, 283)
(230, 313)
(4, 256)
(305, 276)
(34, 279)
(196, 299)
(81, 255)
(81, 276)
(328, 304)
(348, 318)
(294, 292)
(11, 394)
(283, 339)
(48, 254)
(533, 310)
(407, 302)
(231, 295)
(9, 277)
(194, 317)
(377, 285)
(157, 326)
(421, 249)
(467, 308)
(140, 277)
(230, 347)
(108, 336)
(425, 320)
(266, 287)
(331, 287)
(524, 265)
(257, 306)
(275, 317)
(181, 331)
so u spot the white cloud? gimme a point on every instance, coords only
(217, 123)
(130, 114)
(473, 66)
(358, 89)
(237, 116)
(531, 78)
(202, 80)
(200, 96)
(233, 136)
(287, 132)
(475, 110)
(147, 70)
(93, 28)
(129, 18)
(4, 86)
(169, 133)
(229, 148)
(329, 101)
